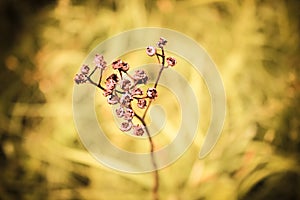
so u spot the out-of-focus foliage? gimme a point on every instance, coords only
(255, 44)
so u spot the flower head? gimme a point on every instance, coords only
(85, 69)
(120, 65)
(112, 99)
(126, 126)
(162, 42)
(100, 62)
(128, 114)
(110, 84)
(79, 78)
(136, 91)
(171, 61)
(126, 100)
(151, 51)
(138, 130)
(120, 112)
(125, 84)
(152, 93)
(113, 77)
(142, 103)
(140, 76)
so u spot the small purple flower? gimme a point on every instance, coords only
(142, 103)
(120, 112)
(162, 42)
(171, 61)
(136, 91)
(151, 93)
(125, 84)
(140, 76)
(79, 78)
(126, 126)
(112, 99)
(129, 113)
(151, 51)
(85, 69)
(100, 62)
(138, 130)
(125, 100)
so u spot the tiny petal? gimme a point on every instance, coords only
(112, 99)
(171, 61)
(138, 130)
(142, 103)
(152, 93)
(151, 51)
(126, 126)
(129, 113)
(85, 69)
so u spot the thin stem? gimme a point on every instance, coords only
(147, 108)
(92, 72)
(156, 177)
(99, 83)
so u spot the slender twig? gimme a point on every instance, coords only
(154, 164)
(101, 72)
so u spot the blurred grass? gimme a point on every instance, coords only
(255, 44)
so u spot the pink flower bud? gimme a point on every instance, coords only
(126, 126)
(142, 103)
(171, 61)
(151, 51)
(138, 130)
(152, 93)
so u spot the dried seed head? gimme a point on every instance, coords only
(151, 51)
(79, 78)
(125, 84)
(126, 126)
(112, 99)
(85, 69)
(162, 42)
(142, 103)
(136, 91)
(120, 112)
(171, 61)
(152, 93)
(140, 76)
(129, 113)
(126, 100)
(138, 130)
(100, 62)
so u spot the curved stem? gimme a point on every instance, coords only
(154, 164)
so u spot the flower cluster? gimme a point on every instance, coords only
(121, 88)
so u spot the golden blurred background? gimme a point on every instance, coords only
(254, 43)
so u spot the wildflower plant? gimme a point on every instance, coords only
(123, 89)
